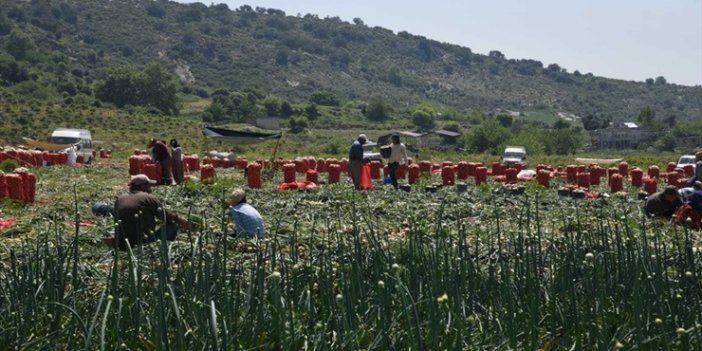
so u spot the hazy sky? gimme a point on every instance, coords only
(625, 39)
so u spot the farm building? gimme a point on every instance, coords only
(626, 135)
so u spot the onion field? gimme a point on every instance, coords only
(344, 270)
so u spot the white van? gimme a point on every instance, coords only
(80, 138)
(514, 154)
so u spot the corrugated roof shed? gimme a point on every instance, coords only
(448, 133)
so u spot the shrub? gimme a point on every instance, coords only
(7, 166)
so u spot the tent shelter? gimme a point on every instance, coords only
(238, 137)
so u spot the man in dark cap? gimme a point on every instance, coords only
(664, 203)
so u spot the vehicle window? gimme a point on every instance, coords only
(64, 140)
(685, 160)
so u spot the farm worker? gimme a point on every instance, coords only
(246, 218)
(398, 156)
(102, 209)
(137, 212)
(356, 160)
(663, 203)
(177, 155)
(691, 211)
(161, 155)
(685, 193)
(698, 168)
(72, 156)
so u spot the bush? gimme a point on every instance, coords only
(298, 124)
(8, 166)
(423, 116)
(376, 110)
(325, 98)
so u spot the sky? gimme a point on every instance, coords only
(623, 39)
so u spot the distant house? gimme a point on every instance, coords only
(627, 135)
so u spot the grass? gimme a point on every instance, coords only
(344, 270)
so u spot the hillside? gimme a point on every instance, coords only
(65, 46)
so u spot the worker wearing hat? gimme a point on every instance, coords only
(356, 160)
(137, 213)
(247, 219)
(663, 204)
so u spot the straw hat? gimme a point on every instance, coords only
(237, 195)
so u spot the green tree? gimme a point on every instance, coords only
(5, 25)
(298, 124)
(215, 112)
(153, 86)
(325, 98)
(376, 110)
(426, 52)
(119, 86)
(20, 45)
(531, 139)
(156, 9)
(487, 137)
(453, 126)
(423, 116)
(286, 109)
(591, 122)
(281, 56)
(647, 117)
(160, 89)
(666, 143)
(562, 141)
(561, 124)
(394, 76)
(505, 120)
(311, 111)
(11, 71)
(272, 105)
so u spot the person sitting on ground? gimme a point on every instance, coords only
(136, 214)
(690, 213)
(663, 203)
(247, 219)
